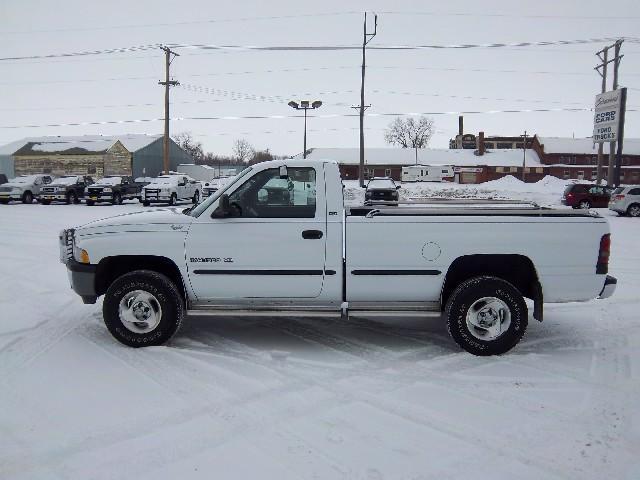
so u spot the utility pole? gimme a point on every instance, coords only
(167, 83)
(623, 109)
(367, 37)
(602, 55)
(616, 64)
(524, 153)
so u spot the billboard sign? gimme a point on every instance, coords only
(607, 117)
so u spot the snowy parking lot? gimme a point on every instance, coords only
(298, 398)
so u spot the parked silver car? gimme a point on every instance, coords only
(626, 201)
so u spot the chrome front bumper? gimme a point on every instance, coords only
(609, 287)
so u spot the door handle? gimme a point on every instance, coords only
(311, 234)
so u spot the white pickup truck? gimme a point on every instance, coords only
(171, 189)
(278, 241)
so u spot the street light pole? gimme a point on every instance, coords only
(524, 153)
(305, 105)
(304, 153)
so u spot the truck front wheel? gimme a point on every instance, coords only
(143, 308)
(486, 316)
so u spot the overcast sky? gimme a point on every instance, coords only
(123, 86)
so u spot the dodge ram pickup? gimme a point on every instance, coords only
(248, 251)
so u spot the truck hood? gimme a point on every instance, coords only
(160, 185)
(163, 219)
(17, 185)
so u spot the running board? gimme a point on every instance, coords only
(313, 313)
(262, 313)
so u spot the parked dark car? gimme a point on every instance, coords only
(586, 195)
(3, 178)
(113, 189)
(68, 189)
(381, 189)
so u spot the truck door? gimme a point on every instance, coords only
(272, 246)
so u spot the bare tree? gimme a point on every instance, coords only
(242, 150)
(409, 132)
(189, 145)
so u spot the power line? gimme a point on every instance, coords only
(184, 23)
(291, 48)
(511, 15)
(318, 15)
(325, 116)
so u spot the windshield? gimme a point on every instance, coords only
(196, 212)
(65, 180)
(381, 183)
(24, 179)
(617, 191)
(111, 181)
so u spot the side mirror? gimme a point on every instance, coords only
(283, 172)
(397, 187)
(224, 209)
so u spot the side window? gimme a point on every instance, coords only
(634, 191)
(266, 195)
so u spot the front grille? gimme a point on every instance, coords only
(152, 190)
(6, 189)
(95, 191)
(49, 190)
(66, 245)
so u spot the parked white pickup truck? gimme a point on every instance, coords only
(278, 241)
(171, 189)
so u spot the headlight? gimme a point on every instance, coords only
(367, 195)
(80, 255)
(107, 190)
(16, 190)
(164, 190)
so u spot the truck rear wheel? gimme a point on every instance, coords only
(27, 197)
(143, 308)
(486, 316)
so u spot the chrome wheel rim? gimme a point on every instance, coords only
(634, 211)
(488, 318)
(584, 205)
(140, 311)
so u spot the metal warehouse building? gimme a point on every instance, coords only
(96, 155)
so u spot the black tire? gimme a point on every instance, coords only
(196, 198)
(4, 201)
(27, 197)
(117, 199)
(173, 199)
(45, 202)
(168, 298)
(146, 204)
(633, 210)
(77, 198)
(90, 203)
(584, 204)
(71, 198)
(470, 293)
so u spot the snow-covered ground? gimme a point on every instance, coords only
(306, 398)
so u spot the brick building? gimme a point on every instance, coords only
(470, 166)
(94, 155)
(577, 158)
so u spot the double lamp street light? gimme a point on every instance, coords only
(305, 105)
